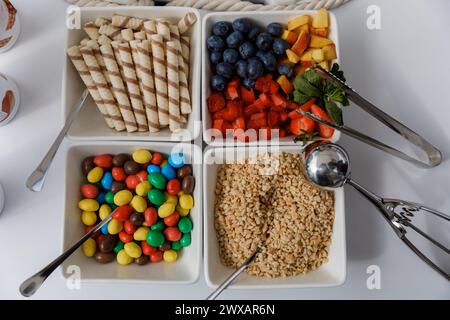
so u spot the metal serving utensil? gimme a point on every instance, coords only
(434, 156)
(33, 283)
(35, 181)
(327, 165)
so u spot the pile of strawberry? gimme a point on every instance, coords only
(263, 109)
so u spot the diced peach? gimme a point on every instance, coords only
(301, 44)
(285, 84)
(289, 36)
(317, 55)
(329, 52)
(306, 27)
(298, 21)
(320, 20)
(292, 56)
(325, 64)
(307, 55)
(319, 42)
(302, 67)
(322, 32)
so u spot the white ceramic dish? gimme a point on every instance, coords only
(184, 271)
(332, 273)
(89, 124)
(262, 18)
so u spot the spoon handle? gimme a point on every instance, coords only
(36, 180)
(32, 284)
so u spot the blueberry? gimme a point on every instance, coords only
(215, 43)
(241, 68)
(243, 25)
(248, 83)
(264, 41)
(260, 54)
(225, 69)
(218, 82)
(215, 57)
(253, 33)
(247, 50)
(286, 69)
(280, 46)
(221, 28)
(275, 29)
(255, 68)
(230, 56)
(269, 61)
(235, 39)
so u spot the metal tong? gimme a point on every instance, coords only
(434, 156)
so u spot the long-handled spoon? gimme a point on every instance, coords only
(35, 181)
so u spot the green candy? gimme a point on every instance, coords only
(119, 246)
(185, 240)
(157, 180)
(156, 197)
(159, 226)
(114, 207)
(176, 245)
(155, 238)
(109, 197)
(185, 225)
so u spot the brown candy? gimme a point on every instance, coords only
(185, 170)
(131, 167)
(116, 186)
(104, 257)
(165, 246)
(188, 184)
(142, 260)
(120, 159)
(137, 219)
(107, 243)
(87, 165)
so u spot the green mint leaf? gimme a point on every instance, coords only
(334, 112)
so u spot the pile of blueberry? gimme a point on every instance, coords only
(242, 48)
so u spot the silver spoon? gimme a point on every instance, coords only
(33, 283)
(327, 165)
(35, 181)
(233, 276)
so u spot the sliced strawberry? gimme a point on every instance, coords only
(215, 102)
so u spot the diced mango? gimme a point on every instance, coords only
(319, 42)
(292, 56)
(329, 52)
(317, 55)
(301, 44)
(284, 60)
(325, 64)
(289, 36)
(320, 20)
(285, 84)
(305, 27)
(307, 55)
(298, 21)
(323, 32)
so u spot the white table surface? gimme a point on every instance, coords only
(403, 68)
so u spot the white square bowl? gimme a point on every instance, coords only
(331, 273)
(185, 270)
(262, 18)
(89, 123)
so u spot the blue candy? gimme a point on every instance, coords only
(168, 172)
(107, 180)
(176, 160)
(153, 169)
(101, 197)
(104, 229)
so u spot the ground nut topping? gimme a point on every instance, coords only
(267, 201)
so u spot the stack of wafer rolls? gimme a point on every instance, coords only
(137, 71)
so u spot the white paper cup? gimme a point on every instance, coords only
(9, 25)
(9, 99)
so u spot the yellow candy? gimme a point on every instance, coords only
(183, 212)
(95, 175)
(170, 256)
(145, 224)
(114, 226)
(139, 204)
(163, 163)
(133, 250)
(123, 197)
(171, 199)
(166, 210)
(142, 156)
(140, 234)
(143, 188)
(123, 258)
(89, 218)
(180, 193)
(89, 247)
(88, 205)
(104, 211)
(186, 201)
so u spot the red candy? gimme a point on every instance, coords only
(125, 237)
(103, 161)
(172, 220)
(147, 249)
(89, 191)
(156, 158)
(95, 235)
(172, 234)
(123, 213)
(132, 181)
(129, 227)
(118, 174)
(157, 256)
(173, 187)
(150, 216)
(142, 175)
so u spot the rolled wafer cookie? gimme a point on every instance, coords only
(91, 30)
(163, 28)
(132, 83)
(118, 87)
(115, 46)
(174, 33)
(79, 64)
(147, 85)
(172, 85)
(137, 66)
(111, 31)
(140, 35)
(84, 41)
(185, 52)
(103, 88)
(150, 28)
(103, 39)
(159, 70)
(188, 20)
(127, 34)
(101, 21)
(93, 45)
(126, 22)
